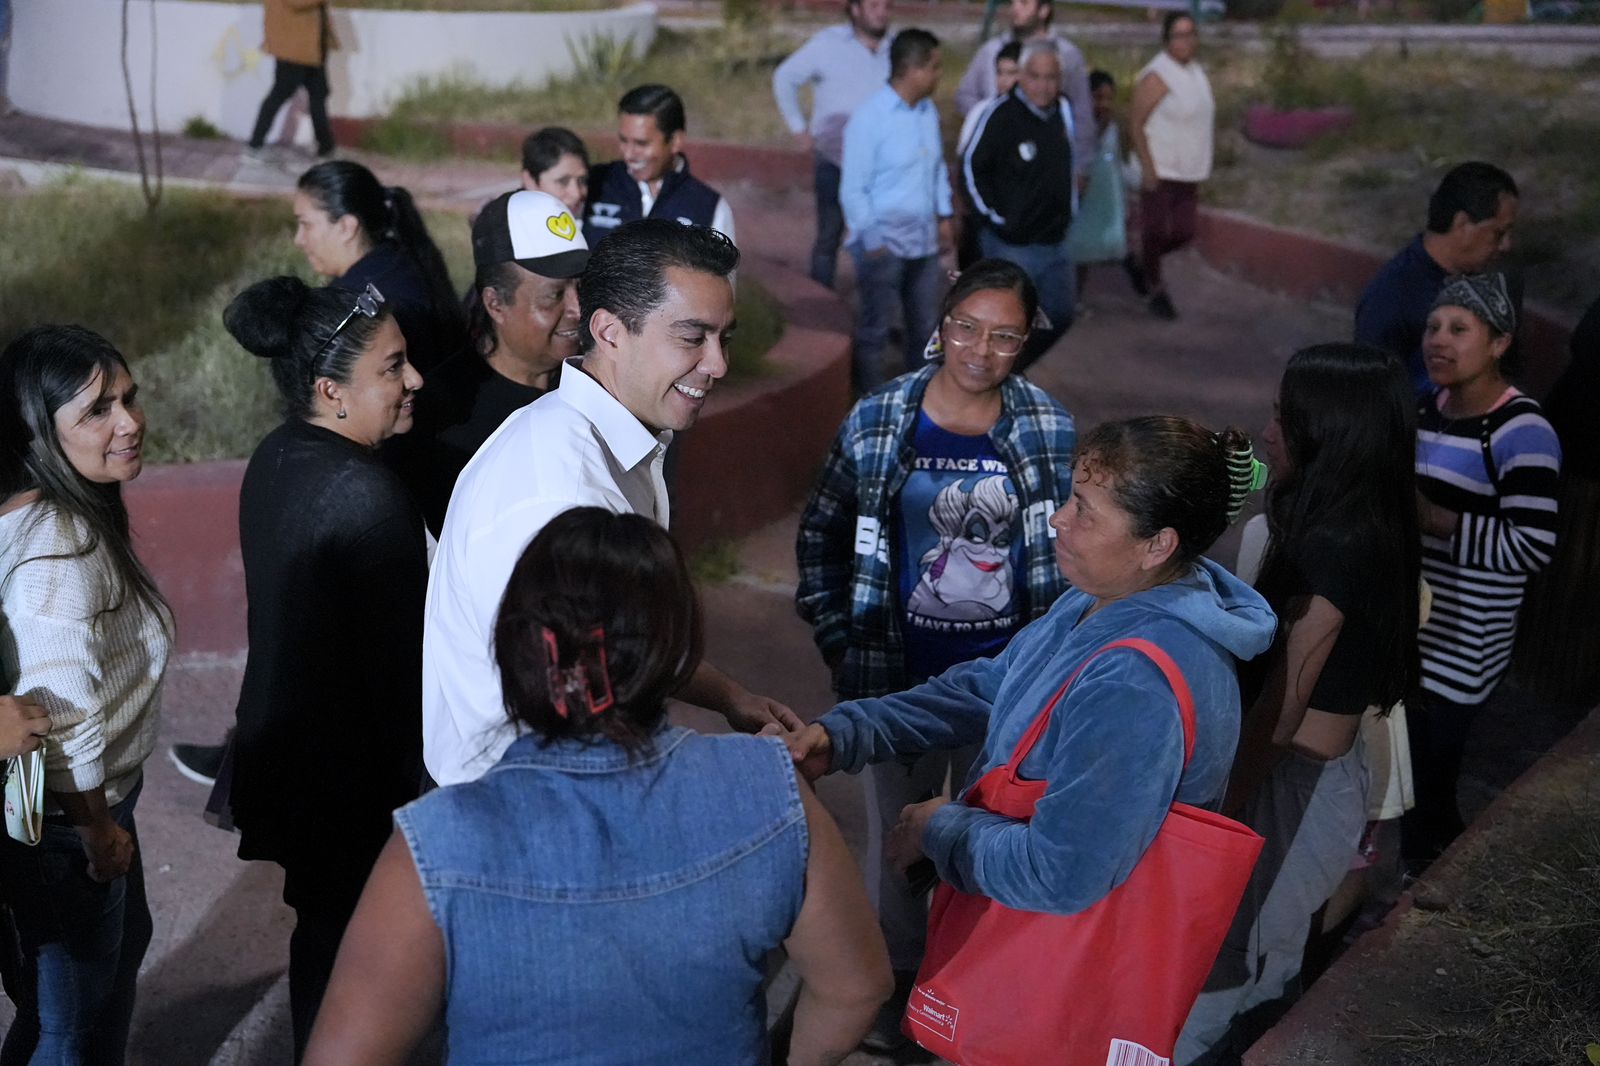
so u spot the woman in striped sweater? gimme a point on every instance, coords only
(1487, 468)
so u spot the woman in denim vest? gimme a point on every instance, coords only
(609, 891)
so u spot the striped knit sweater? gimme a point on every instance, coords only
(99, 678)
(1499, 473)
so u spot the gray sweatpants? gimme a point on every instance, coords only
(1311, 815)
(890, 787)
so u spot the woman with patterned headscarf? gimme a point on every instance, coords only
(1487, 470)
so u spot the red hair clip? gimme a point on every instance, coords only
(589, 676)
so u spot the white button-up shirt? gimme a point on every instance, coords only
(576, 446)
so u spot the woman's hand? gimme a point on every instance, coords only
(904, 846)
(109, 848)
(22, 723)
(809, 746)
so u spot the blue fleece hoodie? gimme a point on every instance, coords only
(1113, 754)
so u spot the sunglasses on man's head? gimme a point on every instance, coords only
(368, 303)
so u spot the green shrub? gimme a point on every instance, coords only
(395, 134)
(199, 129)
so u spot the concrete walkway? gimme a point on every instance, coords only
(213, 988)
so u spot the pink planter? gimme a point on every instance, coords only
(1267, 126)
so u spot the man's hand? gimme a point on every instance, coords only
(109, 849)
(947, 236)
(749, 713)
(809, 746)
(804, 142)
(904, 846)
(22, 723)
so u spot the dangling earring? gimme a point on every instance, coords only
(342, 413)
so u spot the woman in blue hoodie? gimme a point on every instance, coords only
(1149, 496)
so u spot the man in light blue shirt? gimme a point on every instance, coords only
(895, 191)
(843, 65)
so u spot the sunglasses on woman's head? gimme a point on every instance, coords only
(368, 303)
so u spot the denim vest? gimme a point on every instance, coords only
(597, 912)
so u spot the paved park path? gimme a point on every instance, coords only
(213, 989)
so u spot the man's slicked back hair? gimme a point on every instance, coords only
(659, 102)
(627, 271)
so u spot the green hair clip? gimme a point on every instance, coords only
(1259, 473)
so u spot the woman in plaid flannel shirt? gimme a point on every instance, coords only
(926, 543)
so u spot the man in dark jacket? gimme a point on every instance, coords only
(1470, 218)
(1018, 173)
(652, 178)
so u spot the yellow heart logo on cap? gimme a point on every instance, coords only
(562, 226)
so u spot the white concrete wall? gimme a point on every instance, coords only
(66, 64)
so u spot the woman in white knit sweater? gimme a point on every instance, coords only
(84, 631)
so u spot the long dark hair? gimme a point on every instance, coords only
(340, 187)
(589, 572)
(288, 322)
(40, 372)
(1348, 418)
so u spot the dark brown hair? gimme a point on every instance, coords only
(1166, 471)
(621, 573)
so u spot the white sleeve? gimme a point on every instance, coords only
(51, 602)
(722, 219)
(464, 724)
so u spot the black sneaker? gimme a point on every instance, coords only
(1161, 306)
(198, 762)
(1136, 278)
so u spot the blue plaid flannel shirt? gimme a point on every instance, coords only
(848, 582)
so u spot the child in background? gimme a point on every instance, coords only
(1099, 229)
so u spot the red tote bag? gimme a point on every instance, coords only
(1108, 986)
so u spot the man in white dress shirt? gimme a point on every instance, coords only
(656, 312)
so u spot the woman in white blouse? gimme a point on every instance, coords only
(1172, 128)
(85, 632)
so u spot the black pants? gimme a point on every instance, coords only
(323, 890)
(285, 80)
(1437, 731)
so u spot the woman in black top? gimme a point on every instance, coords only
(357, 232)
(328, 741)
(1342, 570)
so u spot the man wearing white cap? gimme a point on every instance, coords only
(655, 317)
(523, 323)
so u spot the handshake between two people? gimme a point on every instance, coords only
(812, 750)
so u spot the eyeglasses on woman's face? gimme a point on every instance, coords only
(368, 303)
(964, 333)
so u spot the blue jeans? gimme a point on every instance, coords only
(885, 280)
(79, 945)
(830, 224)
(1050, 267)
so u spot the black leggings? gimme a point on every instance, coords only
(287, 78)
(323, 890)
(1437, 731)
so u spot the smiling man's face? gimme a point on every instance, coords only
(665, 373)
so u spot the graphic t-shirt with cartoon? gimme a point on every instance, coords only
(960, 550)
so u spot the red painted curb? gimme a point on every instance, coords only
(711, 161)
(753, 454)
